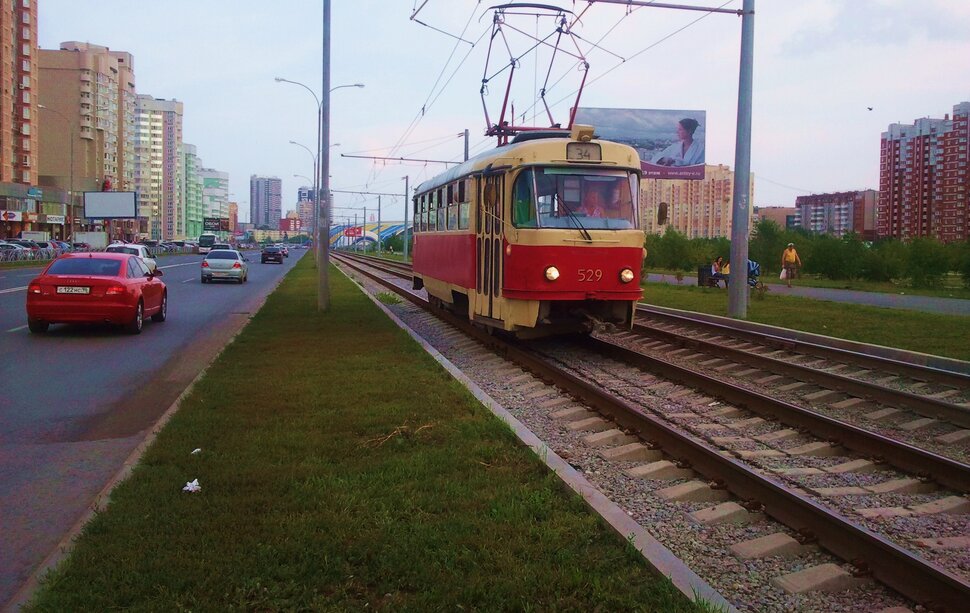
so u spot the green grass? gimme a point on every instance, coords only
(342, 468)
(944, 335)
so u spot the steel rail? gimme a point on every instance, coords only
(915, 578)
(923, 405)
(898, 367)
(906, 457)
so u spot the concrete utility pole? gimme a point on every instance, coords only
(407, 205)
(738, 288)
(380, 245)
(466, 144)
(323, 233)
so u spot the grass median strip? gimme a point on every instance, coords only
(342, 468)
(943, 335)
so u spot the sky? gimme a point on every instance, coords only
(818, 67)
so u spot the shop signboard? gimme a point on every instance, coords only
(56, 219)
(11, 216)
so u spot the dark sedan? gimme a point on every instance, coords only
(271, 254)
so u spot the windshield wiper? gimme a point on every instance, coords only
(582, 229)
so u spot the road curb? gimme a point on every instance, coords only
(64, 547)
(655, 554)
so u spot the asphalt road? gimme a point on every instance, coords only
(78, 399)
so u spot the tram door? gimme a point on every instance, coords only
(489, 245)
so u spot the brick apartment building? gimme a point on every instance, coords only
(924, 189)
(839, 213)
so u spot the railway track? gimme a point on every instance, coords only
(745, 458)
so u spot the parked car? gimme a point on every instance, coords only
(139, 250)
(12, 252)
(227, 264)
(24, 243)
(81, 246)
(116, 288)
(271, 253)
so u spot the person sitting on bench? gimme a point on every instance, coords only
(716, 274)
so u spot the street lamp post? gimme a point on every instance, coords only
(70, 191)
(316, 193)
(322, 174)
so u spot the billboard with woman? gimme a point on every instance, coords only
(670, 142)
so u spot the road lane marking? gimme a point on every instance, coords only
(16, 329)
(177, 265)
(13, 289)
(189, 280)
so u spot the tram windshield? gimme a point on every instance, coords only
(578, 198)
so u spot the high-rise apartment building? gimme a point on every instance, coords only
(159, 167)
(840, 213)
(304, 209)
(924, 188)
(18, 95)
(233, 217)
(215, 193)
(19, 205)
(192, 191)
(784, 216)
(265, 201)
(699, 209)
(304, 206)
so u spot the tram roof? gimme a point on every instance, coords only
(510, 153)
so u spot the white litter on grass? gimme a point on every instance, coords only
(714, 404)
(195, 451)
(192, 486)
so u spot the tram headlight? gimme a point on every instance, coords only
(552, 273)
(626, 275)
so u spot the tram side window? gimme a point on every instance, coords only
(431, 212)
(426, 206)
(442, 209)
(421, 215)
(523, 201)
(464, 204)
(453, 206)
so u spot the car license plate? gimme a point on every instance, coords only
(63, 289)
(219, 274)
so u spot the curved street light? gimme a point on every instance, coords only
(321, 172)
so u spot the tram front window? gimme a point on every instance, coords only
(572, 198)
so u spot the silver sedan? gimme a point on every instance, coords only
(225, 264)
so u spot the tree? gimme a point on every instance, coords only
(927, 263)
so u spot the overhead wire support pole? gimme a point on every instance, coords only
(738, 291)
(323, 234)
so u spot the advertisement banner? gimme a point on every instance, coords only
(211, 224)
(55, 219)
(10, 216)
(224, 224)
(670, 143)
(111, 205)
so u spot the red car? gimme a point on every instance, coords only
(112, 288)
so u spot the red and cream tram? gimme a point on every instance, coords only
(535, 237)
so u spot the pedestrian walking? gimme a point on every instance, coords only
(790, 262)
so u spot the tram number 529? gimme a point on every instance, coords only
(590, 274)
